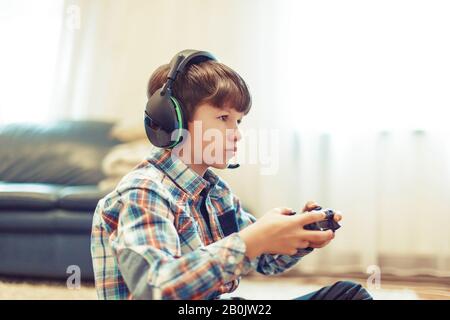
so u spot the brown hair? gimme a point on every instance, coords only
(207, 82)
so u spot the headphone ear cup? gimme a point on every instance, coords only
(182, 121)
(163, 115)
(160, 119)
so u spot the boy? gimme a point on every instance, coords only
(172, 229)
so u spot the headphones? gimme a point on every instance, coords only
(164, 113)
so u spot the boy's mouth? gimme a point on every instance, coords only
(230, 153)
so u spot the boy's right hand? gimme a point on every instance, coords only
(280, 232)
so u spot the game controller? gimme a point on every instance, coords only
(327, 224)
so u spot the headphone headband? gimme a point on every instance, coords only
(180, 61)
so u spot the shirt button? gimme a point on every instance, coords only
(231, 259)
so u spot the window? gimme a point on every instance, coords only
(30, 32)
(367, 65)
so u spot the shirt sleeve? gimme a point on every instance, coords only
(267, 264)
(147, 248)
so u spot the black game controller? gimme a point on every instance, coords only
(327, 224)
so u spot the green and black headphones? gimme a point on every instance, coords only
(164, 113)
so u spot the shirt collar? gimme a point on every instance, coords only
(181, 174)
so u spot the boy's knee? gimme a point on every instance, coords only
(352, 290)
(347, 284)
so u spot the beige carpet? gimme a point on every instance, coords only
(255, 287)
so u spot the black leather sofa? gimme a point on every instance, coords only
(48, 193)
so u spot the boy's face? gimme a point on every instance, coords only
(214, 135)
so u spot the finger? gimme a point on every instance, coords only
(286, 211)
(281, 210)
(317, 236)
(337, 216)
(310, 205)
(308, 218)
(322, 244)
(319, 245)
(302, 244)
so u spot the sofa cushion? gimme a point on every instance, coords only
(46, 255)
(28, 196)
(38, 197)
(79, 198)
(63, 152)
(53, 221)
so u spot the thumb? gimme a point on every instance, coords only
(310, 205)
(311, 217)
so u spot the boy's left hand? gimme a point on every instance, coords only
(311, 205)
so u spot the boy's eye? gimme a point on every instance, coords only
(223, 118)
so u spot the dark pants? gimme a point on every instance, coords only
(341, 290)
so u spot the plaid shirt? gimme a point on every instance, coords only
(150, 241)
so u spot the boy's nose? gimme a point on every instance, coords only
(235, 135)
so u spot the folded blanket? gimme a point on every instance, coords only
(121, 160)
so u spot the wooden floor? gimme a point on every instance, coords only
(259, 287)
(252, 287)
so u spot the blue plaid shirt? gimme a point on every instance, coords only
(150, 241)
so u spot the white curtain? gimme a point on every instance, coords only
(106, 60)
(358, 93)
(392, 187)
(356, 90)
